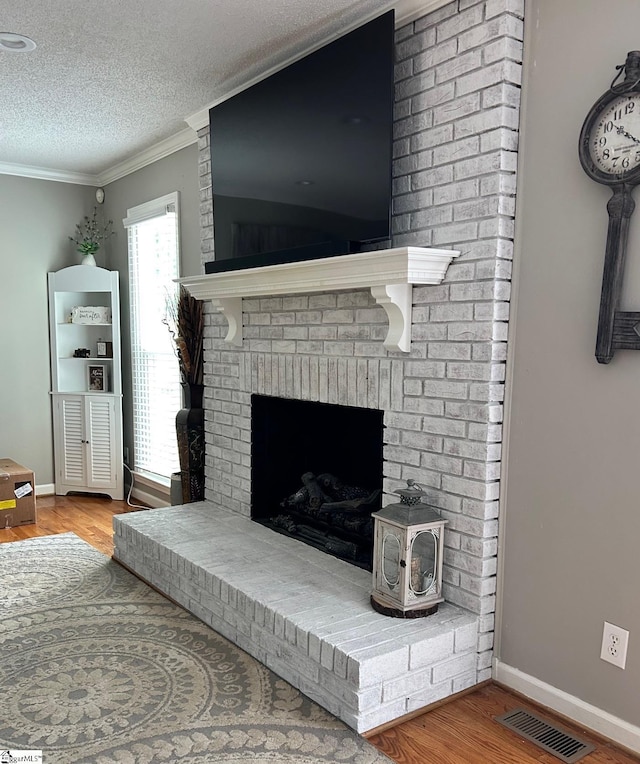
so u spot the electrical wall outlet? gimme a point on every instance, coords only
(614, 645)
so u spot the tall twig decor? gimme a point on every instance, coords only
(185, 320)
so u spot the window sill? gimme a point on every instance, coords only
(158, 483)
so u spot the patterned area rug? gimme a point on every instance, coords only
(97, 667)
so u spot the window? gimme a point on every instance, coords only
(153, 264)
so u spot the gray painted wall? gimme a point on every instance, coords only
(177, 172)
(571, 531)
(36, 217)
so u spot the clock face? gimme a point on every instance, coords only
(614, 139)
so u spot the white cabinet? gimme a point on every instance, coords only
(86, 380)
(87, 433)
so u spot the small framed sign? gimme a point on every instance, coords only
(97, 375)
(105, 349)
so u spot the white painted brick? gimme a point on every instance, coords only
(410, 165)
(485, 675)
(435, 18)
(371, 719)
(454, 667)
(505, 48)
(495, 7)
(485, 642)
(464, 681)
(494, 28)
(430, 56)
(372, 665)
(414, 43)
(459, 23)
(484, 660)
(430, 695)
(488, 119)
(424, 406)
(465, 638)
(456, 192)
(431, 651)
(437, 136)
(433, 97)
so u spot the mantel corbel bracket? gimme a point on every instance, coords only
(231, 309)
(396, 301)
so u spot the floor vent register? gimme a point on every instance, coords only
(550, 738)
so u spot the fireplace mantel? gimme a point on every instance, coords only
(388, 273)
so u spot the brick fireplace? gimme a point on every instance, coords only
(457, 107)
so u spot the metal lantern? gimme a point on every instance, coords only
(407, 556)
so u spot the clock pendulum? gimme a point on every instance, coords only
(609, 150)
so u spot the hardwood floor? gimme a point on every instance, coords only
(462, 731)
(87, 516)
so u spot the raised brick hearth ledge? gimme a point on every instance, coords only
(302, 613)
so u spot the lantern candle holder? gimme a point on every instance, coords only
(407, 556)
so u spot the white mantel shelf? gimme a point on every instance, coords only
(388, 273)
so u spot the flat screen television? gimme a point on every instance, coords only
(301, 161)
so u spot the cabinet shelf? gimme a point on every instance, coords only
(87, 358)
(84, 326)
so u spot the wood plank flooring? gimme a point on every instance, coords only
(462, 731)
(89, 517)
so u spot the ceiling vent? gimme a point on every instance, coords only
(550, 738)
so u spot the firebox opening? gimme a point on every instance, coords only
(316, 473)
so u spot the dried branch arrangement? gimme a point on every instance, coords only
(185, 320)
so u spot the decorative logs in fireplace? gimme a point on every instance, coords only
(330, 515)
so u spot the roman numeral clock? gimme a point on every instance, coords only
(609, 151)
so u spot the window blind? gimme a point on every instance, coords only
(153, 264)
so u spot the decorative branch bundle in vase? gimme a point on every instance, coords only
(89, 234)
(185, 320)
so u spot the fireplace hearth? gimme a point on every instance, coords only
(317, 473)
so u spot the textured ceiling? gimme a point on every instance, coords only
(110, 79)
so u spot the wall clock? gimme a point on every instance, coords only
(609, 151)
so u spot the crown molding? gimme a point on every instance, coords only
(45, 173)
(406, 11)
(164, 148)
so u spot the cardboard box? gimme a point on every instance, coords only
(17, 494)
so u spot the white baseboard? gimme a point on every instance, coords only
(617, 730)
(49, 489)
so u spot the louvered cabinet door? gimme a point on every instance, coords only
(71, 451)
(101, 441)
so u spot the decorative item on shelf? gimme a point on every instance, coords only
(90, 314)
(89, 234)
(82, 353)
(104, 349)
(185, 320)
(407, 556)
(97, 377)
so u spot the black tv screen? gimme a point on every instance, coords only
(301, 161)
